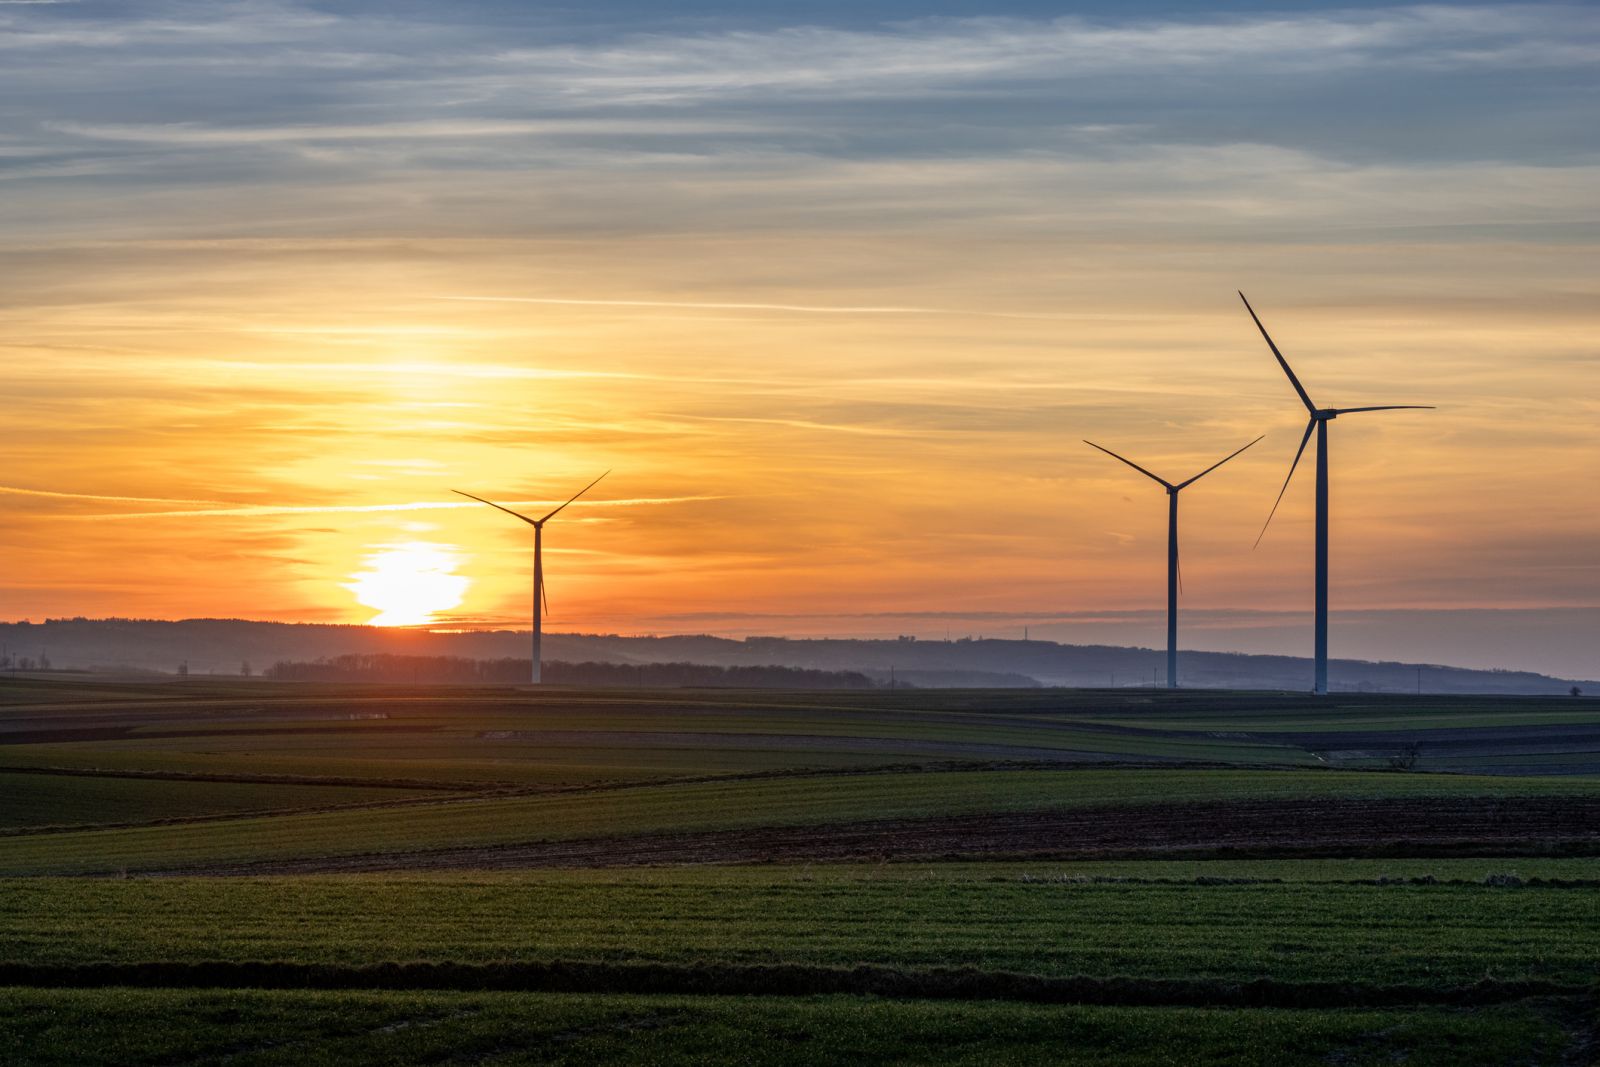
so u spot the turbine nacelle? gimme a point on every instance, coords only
(1172, 490)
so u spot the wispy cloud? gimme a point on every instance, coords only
(953, 55)
(194, 134)
(807, 424)
(818, 309)
(19, 491)
(264, 510)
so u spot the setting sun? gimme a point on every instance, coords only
(409, 583)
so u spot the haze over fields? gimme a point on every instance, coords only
(225, 646)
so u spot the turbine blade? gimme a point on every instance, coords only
(1304, 398)
(1130, 463)
(1215, 465)
(492, 504)
(1312, 425)
(574, 496)
(1387, 407)
(544, 594)
(1179, 553)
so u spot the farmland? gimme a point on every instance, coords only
(1039, 876)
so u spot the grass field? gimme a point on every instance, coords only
(75, 1028)
(562, 738)
(1047, 923)
(37, 800)
(805, 877)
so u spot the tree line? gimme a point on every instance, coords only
(459, 670)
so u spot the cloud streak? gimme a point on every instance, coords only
(816, 309)
(13, 490)
(266, 510)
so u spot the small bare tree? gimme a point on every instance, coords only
(1406, 759)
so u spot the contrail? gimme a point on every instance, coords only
(17, 490)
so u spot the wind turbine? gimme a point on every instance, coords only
(1172, 548)
(1320, 417)
(540, 600)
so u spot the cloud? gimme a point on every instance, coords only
(945, 55)
(193, 134)
(704, 305)
(18, 491)
(262, 510)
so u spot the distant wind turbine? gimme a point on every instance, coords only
(541, 601)
(1172, 548)
(1320, 417)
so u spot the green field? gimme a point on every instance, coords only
(1440, 917)
(76, 1028)
(988, 918)
(38, 800)
(564, 738)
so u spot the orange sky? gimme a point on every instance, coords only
(827, 384)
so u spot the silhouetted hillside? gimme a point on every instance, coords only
(223, 646)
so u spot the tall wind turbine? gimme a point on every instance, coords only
(1320, 417)
(540, 600)
(1172, 548)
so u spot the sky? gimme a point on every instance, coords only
(834, 291)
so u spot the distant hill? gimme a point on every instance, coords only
(224, 646)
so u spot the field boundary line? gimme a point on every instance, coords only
(464, 793)
(778, 980)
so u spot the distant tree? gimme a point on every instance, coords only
(1575, 691)
(1406, 758)
(244, 669)
(455, 670)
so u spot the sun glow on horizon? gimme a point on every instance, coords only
(409, 583)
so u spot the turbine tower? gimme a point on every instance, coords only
(1172, 548)
(540, 600)
(1320, 417)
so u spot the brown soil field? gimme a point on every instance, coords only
(1430, 826)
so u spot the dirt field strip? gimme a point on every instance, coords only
(1432, 826)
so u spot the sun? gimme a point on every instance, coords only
(409, 583)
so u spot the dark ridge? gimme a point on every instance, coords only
(215, 648)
